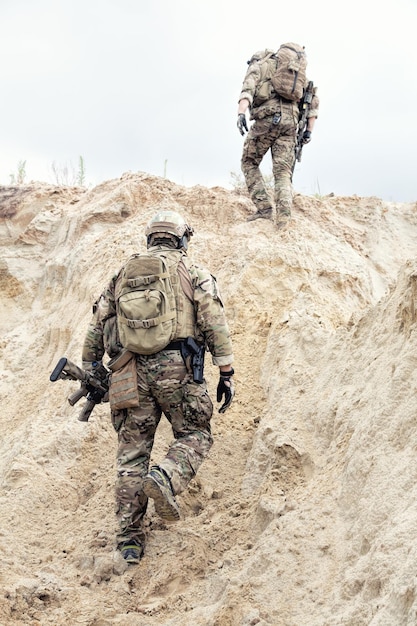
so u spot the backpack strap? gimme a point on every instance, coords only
(185, 280)
(146, 280)
(154, 321)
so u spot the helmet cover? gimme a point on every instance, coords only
(167, 221)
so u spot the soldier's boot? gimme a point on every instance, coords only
(131, 550)
(260, 213)
(283, 218)
(157, 486)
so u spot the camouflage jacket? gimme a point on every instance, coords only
(210, 321)
(257, 80)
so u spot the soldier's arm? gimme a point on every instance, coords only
(211, 319)
(313, 110)
(103, 309)
(249, 85)
(243, 106)
(310, 123)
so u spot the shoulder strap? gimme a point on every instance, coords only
(185, 280)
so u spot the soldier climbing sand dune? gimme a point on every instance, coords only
(155, 321)
(284, 107)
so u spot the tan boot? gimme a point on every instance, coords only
(260, 213)
(157, 486)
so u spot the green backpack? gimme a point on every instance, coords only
(145, 304)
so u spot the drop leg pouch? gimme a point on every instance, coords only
(123, 391)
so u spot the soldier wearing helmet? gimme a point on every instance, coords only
(168, 226)
(165, 383)
(273, 92)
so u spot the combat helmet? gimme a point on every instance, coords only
(166, 226)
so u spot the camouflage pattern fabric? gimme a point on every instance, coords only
(210, 320)
(258, 90)
(280, 138)
(165, 387)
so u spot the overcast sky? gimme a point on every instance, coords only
(152, 86)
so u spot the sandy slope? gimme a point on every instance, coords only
(305, 513)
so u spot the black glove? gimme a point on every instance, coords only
(307, 136)
(225, 388)
(242, 124)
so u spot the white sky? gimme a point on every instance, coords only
(152, 85)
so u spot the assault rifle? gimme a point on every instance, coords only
(304, 107)
(193, 355)
(94, 384)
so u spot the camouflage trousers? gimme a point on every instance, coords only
(165, 387)
(280, 138)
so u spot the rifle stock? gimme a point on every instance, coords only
(94, 385)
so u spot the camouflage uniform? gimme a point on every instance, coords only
(275, 128)
(165, 386)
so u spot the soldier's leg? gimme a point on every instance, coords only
(136, 432)
(193, 440)
(188, 407)
(283, 158)
(257, 144)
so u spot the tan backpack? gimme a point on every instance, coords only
(263, 91)
(149, 314)
(289, 78)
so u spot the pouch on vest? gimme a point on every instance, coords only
(123, 390)
(263, 91)
(145, 304)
